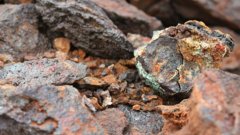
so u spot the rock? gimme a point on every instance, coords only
(130, 76)
(162, 9)
(221, 12)
(92, 83)
(62, 44)
(176, 116)
(232, 63)
(177, 54)
(43, 71)
(109, 79)
(138, 40)
(142, 123)
(86, 25)
(20, 36)
(45, 110)
(113, 120)
(17, 1)
(128, 18)
(215, 107)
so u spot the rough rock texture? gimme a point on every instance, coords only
(113, 120)
(177, 54)
(40, 72)
(128, 18)
(216, 105)
(17, 1)
(20, 36)
(86, 25)
(45, 110)
(232, 63)
(162, 9)
(220, 12)
(142, 123)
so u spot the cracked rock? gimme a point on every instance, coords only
(45, 110)
(43, 71)
(128, 18)
(215, 108)
(86, 25)
(177, 54)
(20, 36)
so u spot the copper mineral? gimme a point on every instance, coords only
(177, 54)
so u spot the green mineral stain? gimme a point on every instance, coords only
(149, 79)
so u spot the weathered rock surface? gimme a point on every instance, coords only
(113, 120)
(232, 63)
(215, 108)
(220, 12)
(176, 56)
(86, 25)
(43, 71)
(128, 18)
(142, 123)
(19, 33)
(45, 110)
(17, 1)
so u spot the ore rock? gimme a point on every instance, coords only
(19, 33)
(177, 54)
(142, 123)
(86, 25)
(215, 108)
(45, 110)
(113, 120)
(128, 18)
(43, 71)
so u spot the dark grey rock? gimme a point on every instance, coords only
(86, 25)
(43, 71)
(19, 33)
(145, 122)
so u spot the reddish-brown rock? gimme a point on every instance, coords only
(19, 32)
(216, 12)
(113, 120)
(215, 109)
(128, 18)
(17, 1)
(162, 9)
(45, 110)
(41, 72)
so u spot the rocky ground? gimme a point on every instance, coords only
(90, 67)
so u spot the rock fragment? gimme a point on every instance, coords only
(20, 36)
(142, 123)
(62, 44)
(43, 71)
(86, 25)
(45, 110)
(113, 120)
(128, 18)
(215, 107)
(177, 54)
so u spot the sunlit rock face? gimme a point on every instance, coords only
(176, 55)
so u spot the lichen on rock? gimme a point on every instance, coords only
(173, 58)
